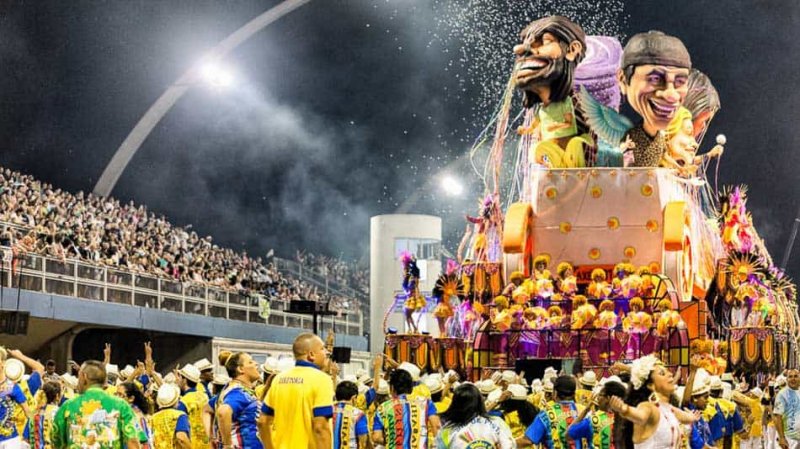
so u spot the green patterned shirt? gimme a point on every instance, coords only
(94, 420)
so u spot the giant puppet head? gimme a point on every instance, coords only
(702, 100)
(654, 77)
(551, 48)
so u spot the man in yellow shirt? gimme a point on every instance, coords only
(299, 404)
(753, 416)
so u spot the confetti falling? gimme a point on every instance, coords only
(475, 41)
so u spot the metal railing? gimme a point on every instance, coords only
(315, 277)
(70, 277)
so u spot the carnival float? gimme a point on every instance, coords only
(600, 238)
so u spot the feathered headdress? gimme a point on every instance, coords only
(641, 369)
(448, 285)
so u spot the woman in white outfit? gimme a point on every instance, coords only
(650, 421)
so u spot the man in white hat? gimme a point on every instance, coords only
(436, 386)
(171, 428)
(15, 401)
(112, 375)
(787, 412)
(193, 402)
(30, 385)
(206, 369)
(595, 423)
(420, 389)
(752, 415)
(586, 382)
(696, 396)
(732, 420)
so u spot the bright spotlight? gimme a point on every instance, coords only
(216, 75)
(452, 186)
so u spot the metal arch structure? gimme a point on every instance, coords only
(164, 103)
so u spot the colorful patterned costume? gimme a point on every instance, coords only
(192, 403)
(94, 419)
(349, 423)
(404, 422)
(11, 396)
(166, 423)
(41, 425)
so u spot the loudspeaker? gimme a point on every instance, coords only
(534, 369)
(301, 306)
(307, 307)
(341, 354)
(14, 323)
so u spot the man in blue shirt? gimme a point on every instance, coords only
(12, 398)
(598, 427)
(550, 426)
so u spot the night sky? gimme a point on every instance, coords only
(346, 109)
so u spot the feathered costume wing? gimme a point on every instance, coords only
(609, 125)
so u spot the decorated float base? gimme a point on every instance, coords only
(427, 352)
(596, 349)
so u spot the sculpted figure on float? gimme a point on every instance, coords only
(654, 77)
(550, 51)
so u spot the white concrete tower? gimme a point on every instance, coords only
(389, 236)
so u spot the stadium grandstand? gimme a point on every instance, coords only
(83, 247)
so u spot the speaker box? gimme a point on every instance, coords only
(341, 354)
(307, 307)
(14, 323)
(301, 306)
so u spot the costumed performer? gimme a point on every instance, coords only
(606, 321)
(598, 288)
(446, 288)
(515, 279)
(567, 283)
(540, 267)
(650, 421)
(415, 300)
(636, 323)
(486, 223)
(500, 320)
(583, 313)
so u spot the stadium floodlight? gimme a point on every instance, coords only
(216, 75)
(452, 186)
(110, 176)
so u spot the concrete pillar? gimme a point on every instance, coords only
(389, 235)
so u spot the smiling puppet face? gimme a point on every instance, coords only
(654, 77)
(656, 92)
(546, 58)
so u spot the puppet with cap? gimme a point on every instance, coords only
(653, 76)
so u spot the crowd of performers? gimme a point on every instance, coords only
(624, 302)
(395, 406)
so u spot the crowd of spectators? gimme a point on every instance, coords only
(347, 274)
(105, 231)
